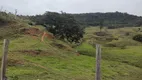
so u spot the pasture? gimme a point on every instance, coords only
(31, 59)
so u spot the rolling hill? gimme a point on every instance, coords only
(30, 58)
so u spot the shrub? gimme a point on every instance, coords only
(116, 44)
(138, 37)
(86, 49)
(14, 77)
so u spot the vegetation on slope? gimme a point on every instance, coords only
(29, 58)
(10, 25)
(59, 64)
(62, 25)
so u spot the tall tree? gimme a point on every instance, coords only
(63, 26)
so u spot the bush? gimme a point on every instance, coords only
(138, 37)
(116, 44)
(14, 77)
(86, 49)
(122, 43)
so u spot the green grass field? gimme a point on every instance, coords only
(31, 59)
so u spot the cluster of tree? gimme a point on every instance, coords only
(138, 37)
(113, 19)
(62, 25)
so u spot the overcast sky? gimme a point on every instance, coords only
(32, 7)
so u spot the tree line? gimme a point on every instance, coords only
(114, 19)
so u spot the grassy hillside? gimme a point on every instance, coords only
(122, 51)
(52, 63)
(29, 58)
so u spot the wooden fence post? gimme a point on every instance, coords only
(4, 59)
(98, 62)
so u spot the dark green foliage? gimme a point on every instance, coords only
(138, 37)
(62, 25)
(113, 19)
(110, 19)
(116, 19)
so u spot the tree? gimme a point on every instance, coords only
(138, 37)
(63, 26)
(101, 24)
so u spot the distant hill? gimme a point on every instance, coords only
(116, 19)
